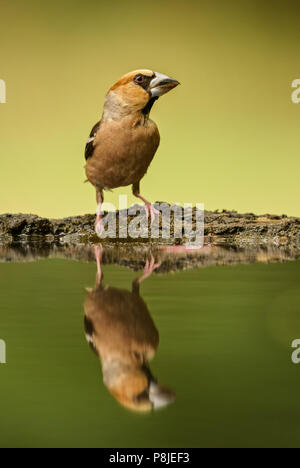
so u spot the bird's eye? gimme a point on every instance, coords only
(139, 79)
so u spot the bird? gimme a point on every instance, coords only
(123, 143)
(121, 332)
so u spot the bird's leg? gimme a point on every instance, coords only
(150, 210)
(98, 255)
(98, 222)
(148, 270)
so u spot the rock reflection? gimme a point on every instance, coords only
(132, 255)
(120, 330)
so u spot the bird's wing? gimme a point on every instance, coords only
(89, 334)
(89, 147)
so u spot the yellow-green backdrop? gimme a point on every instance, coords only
(230, 132)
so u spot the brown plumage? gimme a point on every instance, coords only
(121, 331)
(122, 145)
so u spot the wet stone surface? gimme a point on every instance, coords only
(220, 227)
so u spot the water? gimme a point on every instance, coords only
(225, 334)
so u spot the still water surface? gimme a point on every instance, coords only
(222, 369)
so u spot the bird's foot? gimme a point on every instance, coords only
(149, 268)
(151, 211)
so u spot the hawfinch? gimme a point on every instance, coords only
(122, 144)
(120, 330)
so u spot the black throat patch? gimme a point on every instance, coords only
(149, 105)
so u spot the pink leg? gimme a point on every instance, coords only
(98, 222)
(98, 255)
(150, 210)
(148, 270)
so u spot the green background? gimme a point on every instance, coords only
(230, 132)
(225, 348)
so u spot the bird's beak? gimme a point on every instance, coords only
(160, 396)
(161, 84)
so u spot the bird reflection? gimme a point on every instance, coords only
(122, 333)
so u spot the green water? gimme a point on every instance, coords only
(225, 349)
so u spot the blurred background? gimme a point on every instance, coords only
(230, 132)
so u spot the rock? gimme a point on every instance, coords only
(220, 227)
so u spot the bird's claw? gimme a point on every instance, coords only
(149, 268)
(151, 212)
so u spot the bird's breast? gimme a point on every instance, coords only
(123, 152)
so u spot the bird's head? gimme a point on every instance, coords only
(137, 91)
(136, 389)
